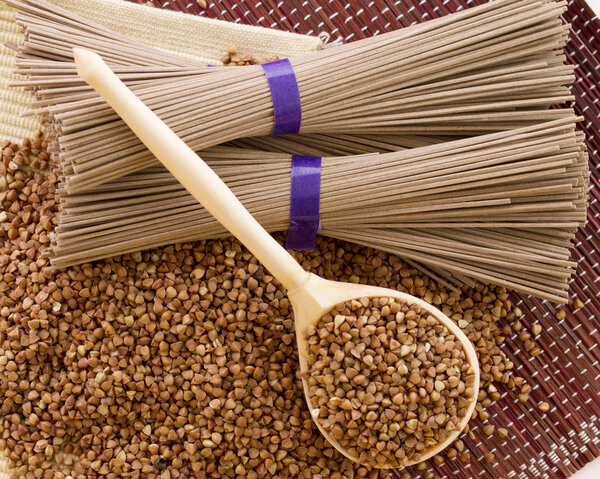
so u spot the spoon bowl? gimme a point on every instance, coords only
(317, 296)
(311, 296)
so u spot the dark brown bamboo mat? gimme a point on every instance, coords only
(567, 373)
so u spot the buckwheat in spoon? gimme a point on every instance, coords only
(390, 380)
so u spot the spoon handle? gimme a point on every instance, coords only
(189, 169)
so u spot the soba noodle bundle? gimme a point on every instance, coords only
(498, 208)
(490, 68)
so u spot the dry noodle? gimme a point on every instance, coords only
(499, 208)
(490, 68)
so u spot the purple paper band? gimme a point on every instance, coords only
(285, 96)
(304, 203)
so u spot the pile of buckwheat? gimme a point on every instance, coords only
(387, 380)
(233, 58)
(178, 362)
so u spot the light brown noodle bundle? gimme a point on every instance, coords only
(490, 68)
(499, 208)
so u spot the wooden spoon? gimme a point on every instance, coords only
(310, 295)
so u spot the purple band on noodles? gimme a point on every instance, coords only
(285, 96)
(304, 203)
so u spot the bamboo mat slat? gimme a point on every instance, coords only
(567, 373)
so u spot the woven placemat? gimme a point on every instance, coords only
(567, 374)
